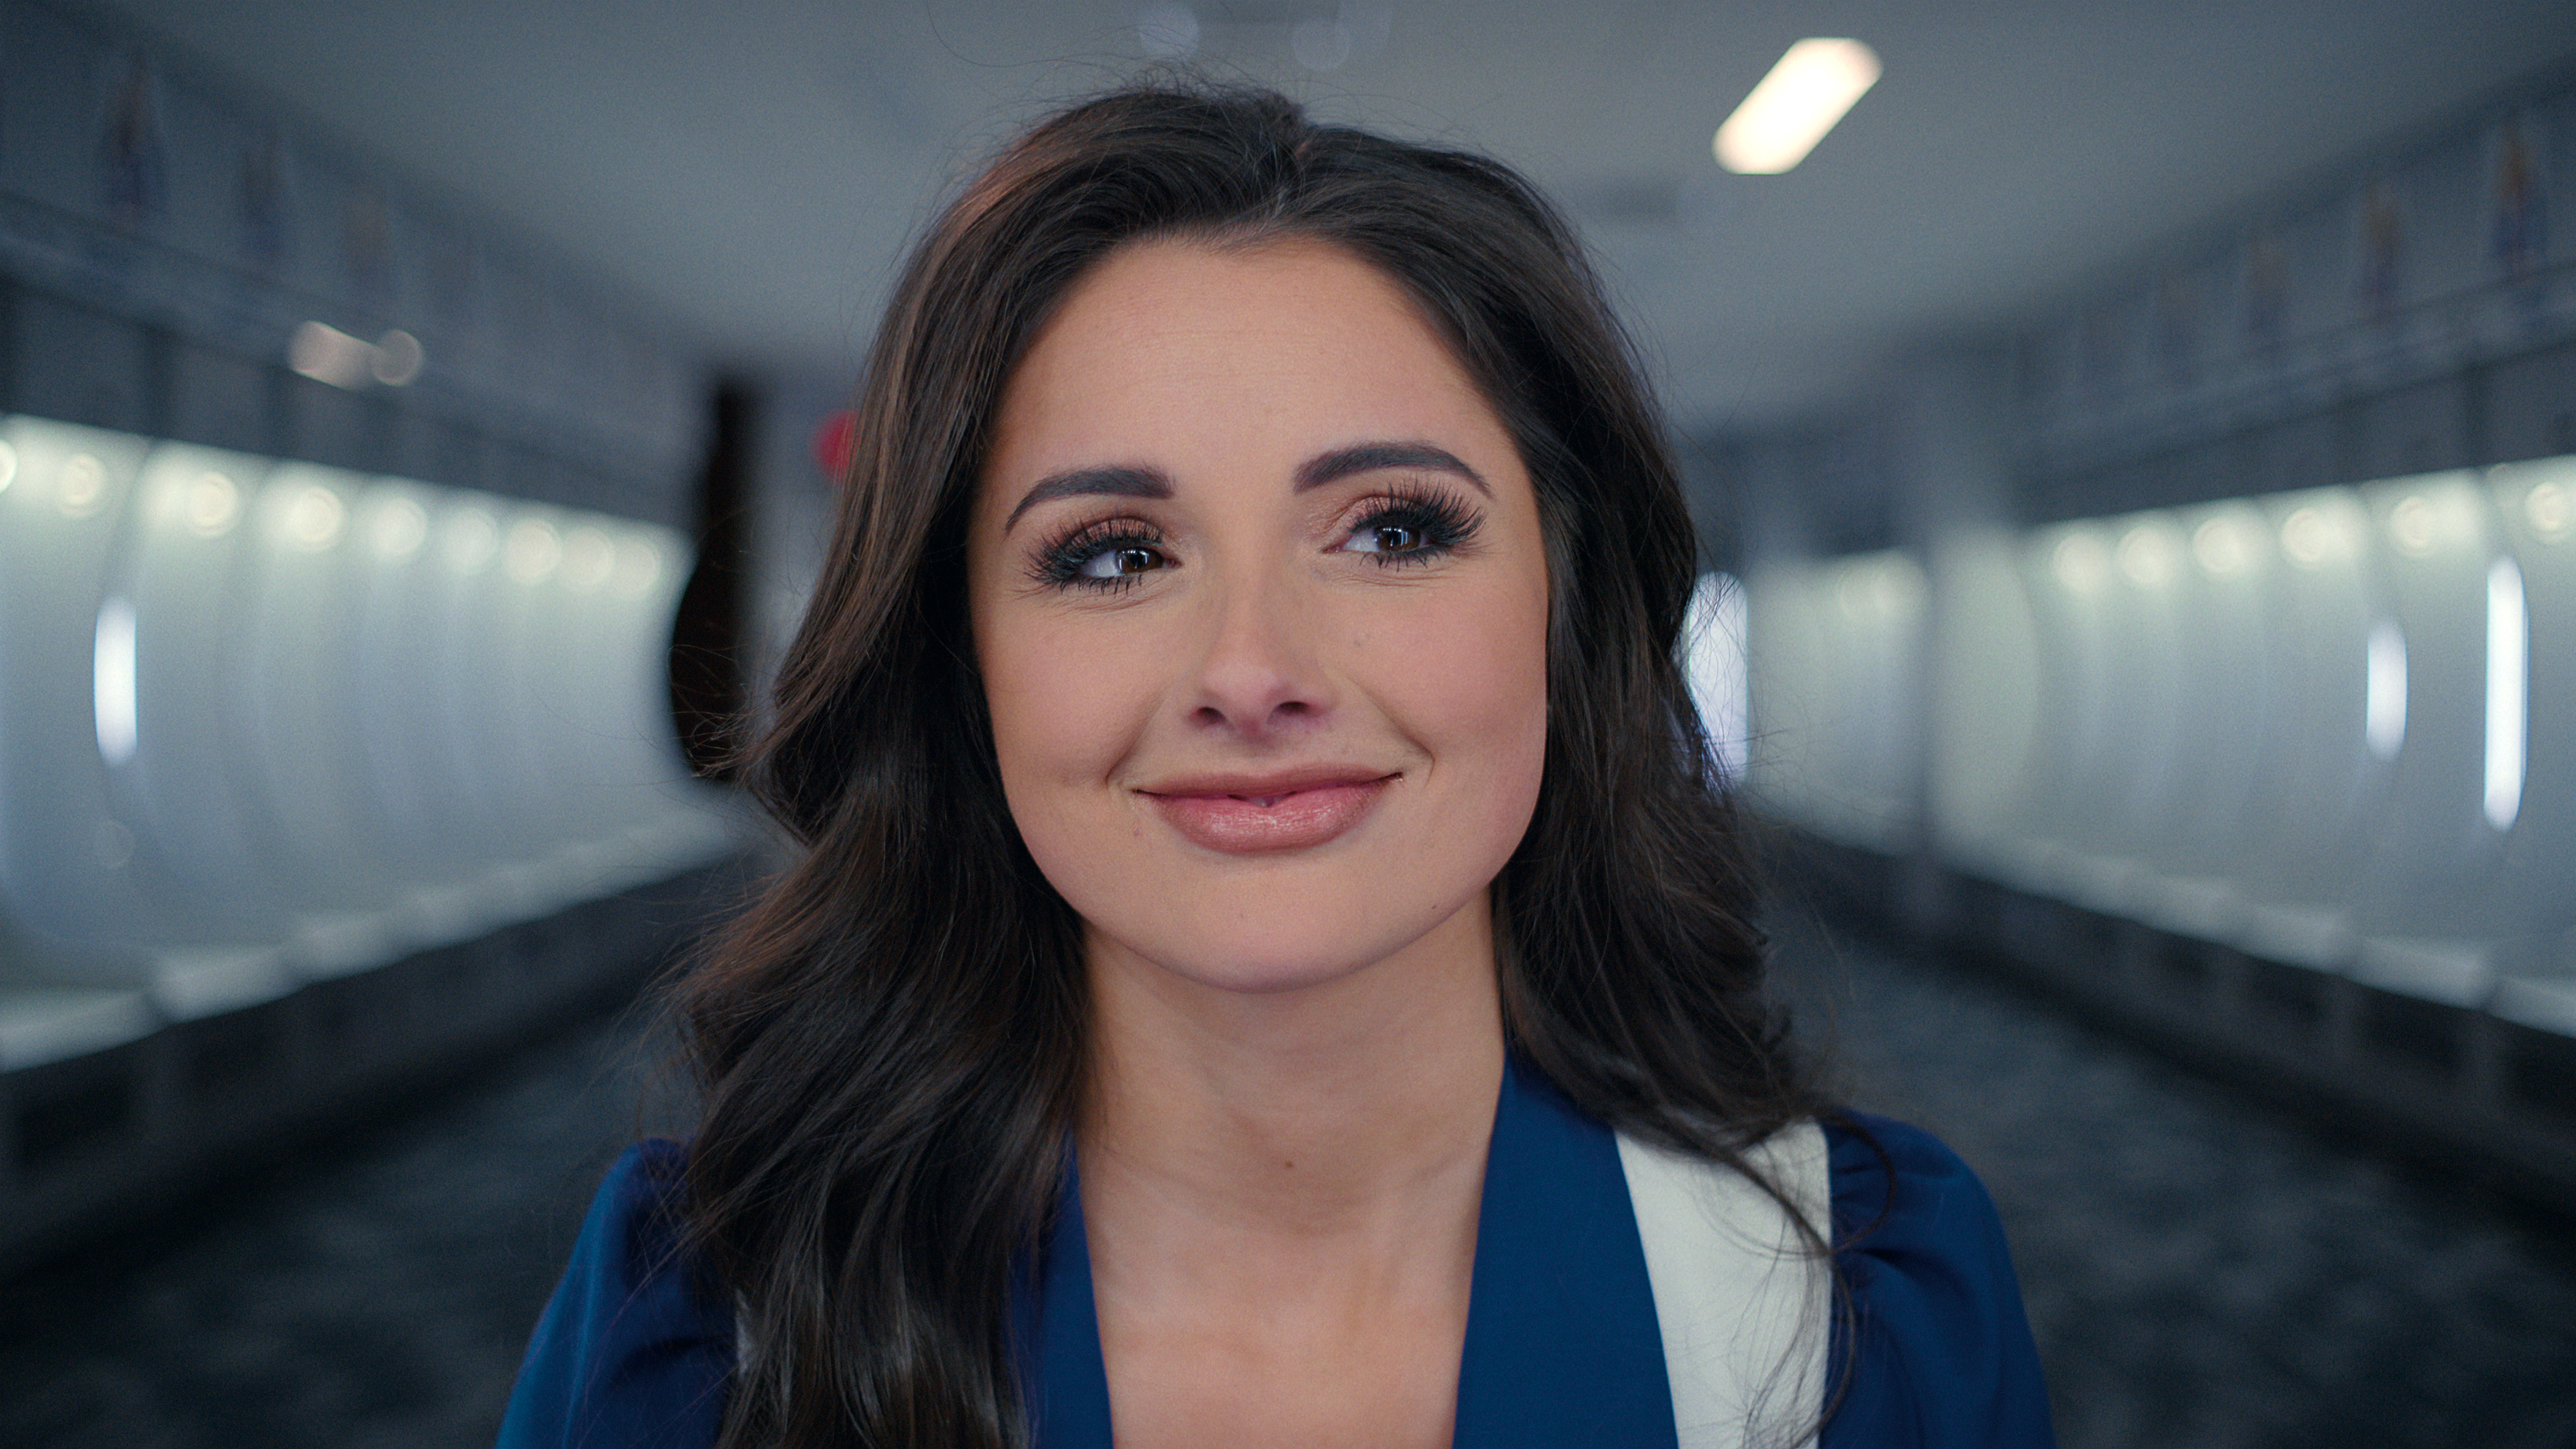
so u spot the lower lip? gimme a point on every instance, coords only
(1298, 821)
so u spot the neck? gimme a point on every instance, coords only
(1354, 1106)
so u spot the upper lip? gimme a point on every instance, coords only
(1271, 784)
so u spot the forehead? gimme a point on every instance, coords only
(1198, 351)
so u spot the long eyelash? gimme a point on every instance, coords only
(1444, 522)
(1059, 562)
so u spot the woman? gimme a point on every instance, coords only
(1270, 962)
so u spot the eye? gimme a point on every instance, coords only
(1113, 554)
(1411, 526)
(1388, 538)
(1121, 561)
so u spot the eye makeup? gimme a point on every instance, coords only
(1101, 554)
(1414, 522)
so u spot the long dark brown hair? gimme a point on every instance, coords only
(892, 1042)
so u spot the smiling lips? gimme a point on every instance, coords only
(1248, 815)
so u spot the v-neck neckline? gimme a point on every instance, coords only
(1562, 1344)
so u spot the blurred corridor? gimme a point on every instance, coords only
(2134, 457)
(2201, 1271)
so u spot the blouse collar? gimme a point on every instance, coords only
(1562, 1344)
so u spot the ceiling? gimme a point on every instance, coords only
(754, 167)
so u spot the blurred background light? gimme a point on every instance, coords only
(212, 505)
(399, 528)
(2081, 564)
(2548, 508)
(324, 353)
(532, 552)
(112, 681)
(472, 538)
(2221, 547)
(397, 358)
(313, 520)
(2383, 701)
(81, 487)
(587, 558)
(1805, 94)
(2508, 688)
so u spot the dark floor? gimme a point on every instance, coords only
(2199, 1273)
(374, 1293)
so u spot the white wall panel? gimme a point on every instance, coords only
(65, 858)
(295, 721)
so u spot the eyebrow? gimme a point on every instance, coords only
(1125, 481)
(1369, 457)
(1109, 482)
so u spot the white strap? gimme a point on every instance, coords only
(1741, 1301)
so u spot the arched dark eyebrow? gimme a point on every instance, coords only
(1111, 482)
(1341, 463)
(1121, 481)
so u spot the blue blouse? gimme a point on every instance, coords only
(1562, 1341)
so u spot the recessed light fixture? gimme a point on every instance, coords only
(1795, 105)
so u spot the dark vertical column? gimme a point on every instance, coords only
(710, 637)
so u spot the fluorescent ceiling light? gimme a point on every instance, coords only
(1796, 104)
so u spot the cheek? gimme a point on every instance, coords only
(1066, 706)
(1471, 687)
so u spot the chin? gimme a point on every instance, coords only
(1275, 943)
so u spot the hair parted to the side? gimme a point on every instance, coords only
(892, 1042)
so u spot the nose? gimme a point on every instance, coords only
(1259, 676)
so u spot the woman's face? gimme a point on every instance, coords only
(1260, 603)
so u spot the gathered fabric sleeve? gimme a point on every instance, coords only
(625, 1357)
(1936, 1351)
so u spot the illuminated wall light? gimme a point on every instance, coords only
(211, 505)
(2313, 537)
(532, 552)
(2383, 692)
(2221, 548)
(639, 567)
(399, 529)
(82, 486)
(2410, 526)
(2081, 563)
(2303, 538)
(472, 539)
(8, 466)
(1795, 105)
(314, 519)
(2508, 692)
(588, 556)
(2145, 556)
(2551, 512)
(112, 689)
